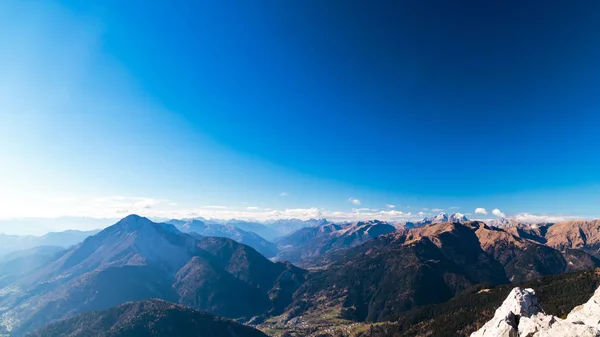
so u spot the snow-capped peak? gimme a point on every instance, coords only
(443, 217)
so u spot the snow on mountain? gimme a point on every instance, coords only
(443, 217)
(517, 221)
(499, 222)
(521, 315)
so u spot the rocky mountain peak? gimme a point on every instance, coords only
(458, 217)
(521, 315)
(519, 303)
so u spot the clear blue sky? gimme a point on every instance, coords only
(185, 107)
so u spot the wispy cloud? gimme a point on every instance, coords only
(454, 207)
(532, 218)
(364, 209)
(498, 213)
(215, 207)
(354, 201)
(437, 209)
(284, 194)
(252, 208)
(480, 210)
(390, 206)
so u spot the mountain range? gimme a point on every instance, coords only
(361, 273)
(65, 239)
(395, 272)
(266, 248)
(288, 226)
(137, 259)
(443, 217)
(311, 242)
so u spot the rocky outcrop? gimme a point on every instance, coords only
(521, 316)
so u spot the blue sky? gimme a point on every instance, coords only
(270, 109)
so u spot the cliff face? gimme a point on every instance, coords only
(520, 315)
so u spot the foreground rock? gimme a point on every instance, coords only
(521, 315)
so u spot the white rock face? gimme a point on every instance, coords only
(521, 316)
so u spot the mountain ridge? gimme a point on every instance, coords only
(152, 317)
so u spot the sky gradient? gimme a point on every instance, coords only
(269, 109)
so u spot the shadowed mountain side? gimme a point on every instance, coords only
(148, 318)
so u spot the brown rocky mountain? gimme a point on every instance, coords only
(137, 259)
(396, 272)
(148, 318)
(578, 234)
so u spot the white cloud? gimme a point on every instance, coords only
(454, 207)
(437, 209)
(354, 201)
(480, 210)
(252, 208)
(283, 194)
(498, 213)
(424, 209)
(215, 207)
(421, 213)
(390, 206)
(532, 218)
(364, 209)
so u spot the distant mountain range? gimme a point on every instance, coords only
(147, 318)
(269, 230)
(443, 217)
(251, 239)
(288, 226)
(65, 239)
(248, 226)
(311, 242)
